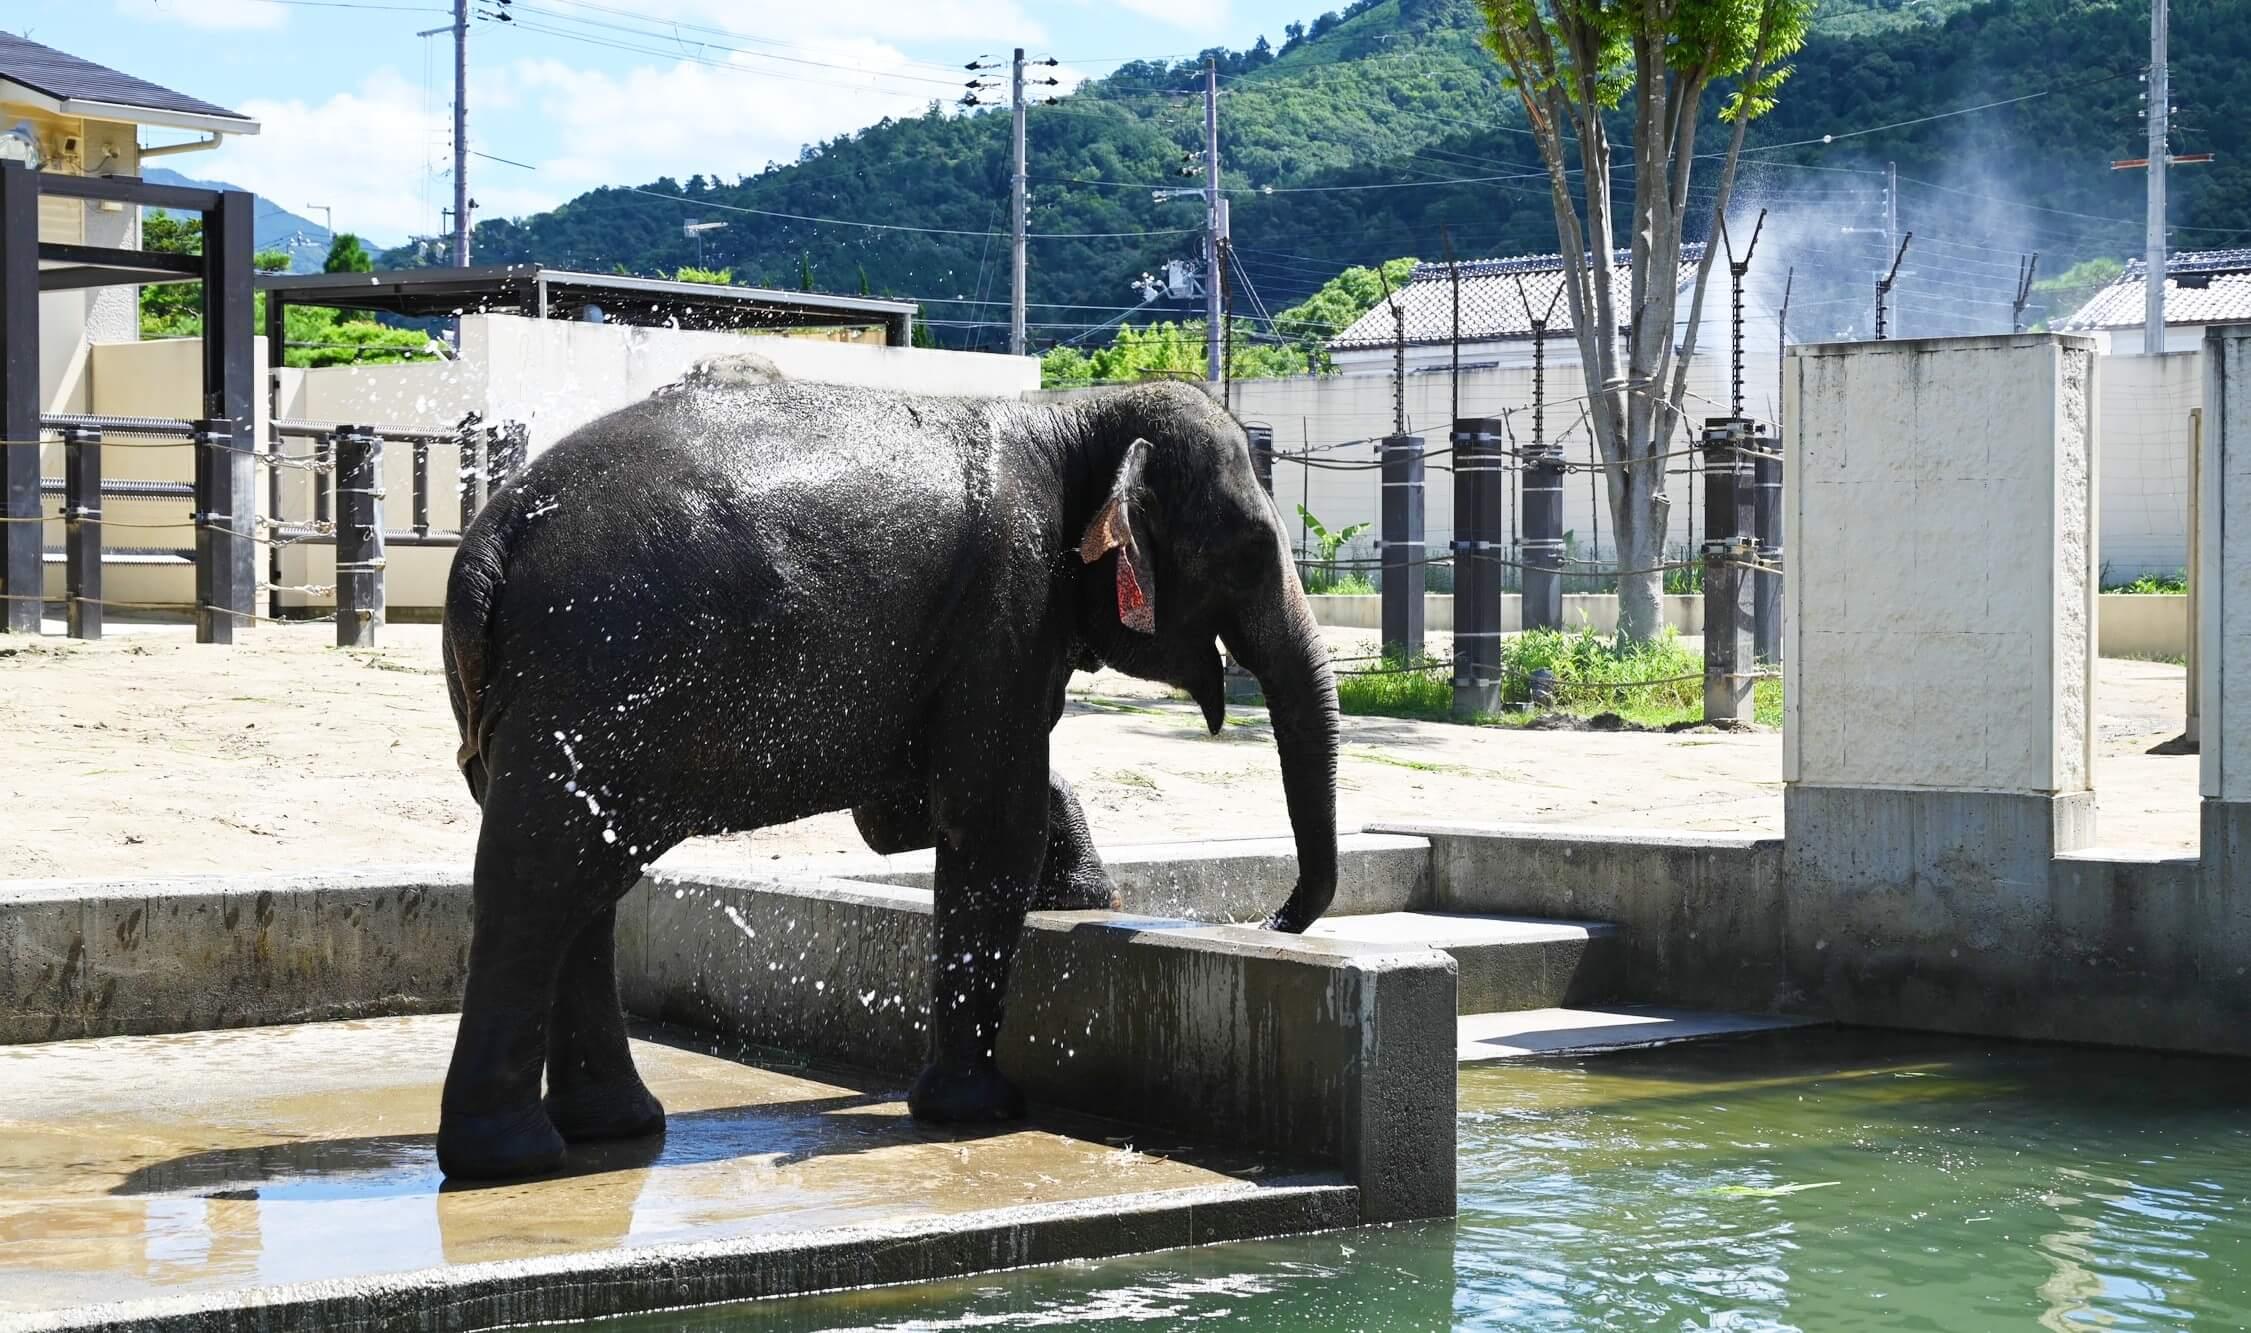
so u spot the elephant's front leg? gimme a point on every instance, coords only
(989, 863)
(1072, 878)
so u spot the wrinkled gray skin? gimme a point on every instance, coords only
(733, 605)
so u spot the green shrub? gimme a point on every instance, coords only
(2165, 585)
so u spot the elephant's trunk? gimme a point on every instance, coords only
(1281, 645)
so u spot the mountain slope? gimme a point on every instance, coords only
(274, 227)
(1399, 91)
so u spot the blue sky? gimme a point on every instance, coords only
(357, 109)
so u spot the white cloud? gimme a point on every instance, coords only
(366, 153)
(208, 13)
(1194, 15)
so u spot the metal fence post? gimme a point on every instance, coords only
(218, 505)
(1728, 546)
(22, 566)
(1479, 468)
(359, 536)
(421, 488)
(515, 452)
(1262, 455)
(82, 531)
(1766, 613)
(229, 502)
(476, 457)
(1402, 546)
(1541, 490)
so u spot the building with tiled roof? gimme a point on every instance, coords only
(2202, 287)
(1499, 301)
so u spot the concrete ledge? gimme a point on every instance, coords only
(1224, 880)
(1699, 915)
(94, 958)
(1342, 1051)
(639, 1280)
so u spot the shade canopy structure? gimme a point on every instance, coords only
(538, 292)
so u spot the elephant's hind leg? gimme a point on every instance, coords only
(544, 874)
(593, 1090)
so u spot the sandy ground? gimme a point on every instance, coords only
(145, 754)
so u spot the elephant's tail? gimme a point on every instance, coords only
(480, 567)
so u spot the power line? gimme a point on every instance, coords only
(898, 226)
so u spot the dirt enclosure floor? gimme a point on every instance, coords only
(145, 754)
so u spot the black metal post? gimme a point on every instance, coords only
(359, 536)
(1728, 522)
(1262, 455)
(421, 488)
(226, 500)
(514, 452)
(1541, 490)
(1402, 546)
(1766, 609)
(22, 575)
(1480, 465)
(82, 531)
(274, 454)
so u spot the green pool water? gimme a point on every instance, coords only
(1817, 1179)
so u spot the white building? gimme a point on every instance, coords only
(2202, 288)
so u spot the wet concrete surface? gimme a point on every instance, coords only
(138, 1167)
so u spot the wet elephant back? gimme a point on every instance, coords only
(745, 587)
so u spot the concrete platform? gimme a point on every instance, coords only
(1505, 962)
(1582, 1031)
(288, 1175)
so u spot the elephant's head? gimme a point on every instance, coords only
(1180, 550)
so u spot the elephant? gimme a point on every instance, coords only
(737, 603)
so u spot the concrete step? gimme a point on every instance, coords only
(1507, 962)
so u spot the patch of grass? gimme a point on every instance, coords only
(1323, 582)
(1654, 684)
(1397, 687)
(2160, 585)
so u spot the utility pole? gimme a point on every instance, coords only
(1016, 209)
(461, 133)
(2160, 94)
(1211, 220)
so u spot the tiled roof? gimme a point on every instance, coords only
(2201, 287)
(67, 78)
(1493, 306)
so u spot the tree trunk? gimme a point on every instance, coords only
(1641, 514)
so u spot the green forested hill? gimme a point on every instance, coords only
(1350, 144)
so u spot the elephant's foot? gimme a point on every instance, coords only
(500, 1145)
(1081, 894)
(595, 1112)
(953, 1095)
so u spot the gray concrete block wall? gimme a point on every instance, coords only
(1324, 1051)
(94, 959)
(1699, 915)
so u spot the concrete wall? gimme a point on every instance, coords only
(2224, 565)
(2144, 418)
(1940, 499)
(2143, 625)
(555, 376)
(1333, 1052)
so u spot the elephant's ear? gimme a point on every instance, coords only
(1112, 530)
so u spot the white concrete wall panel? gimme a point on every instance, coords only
(2224, 566)
(2146, 402)
(1940, 501)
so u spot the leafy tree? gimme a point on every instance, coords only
(1340, 300)
(347, 255)
(1153, 351)
(1570, 63)
(1329, 544)
(2072, 288)
(311, 335)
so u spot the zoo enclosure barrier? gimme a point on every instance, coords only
(346, 466)
(1738, 560)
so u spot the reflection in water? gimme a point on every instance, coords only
(1818, 1180)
